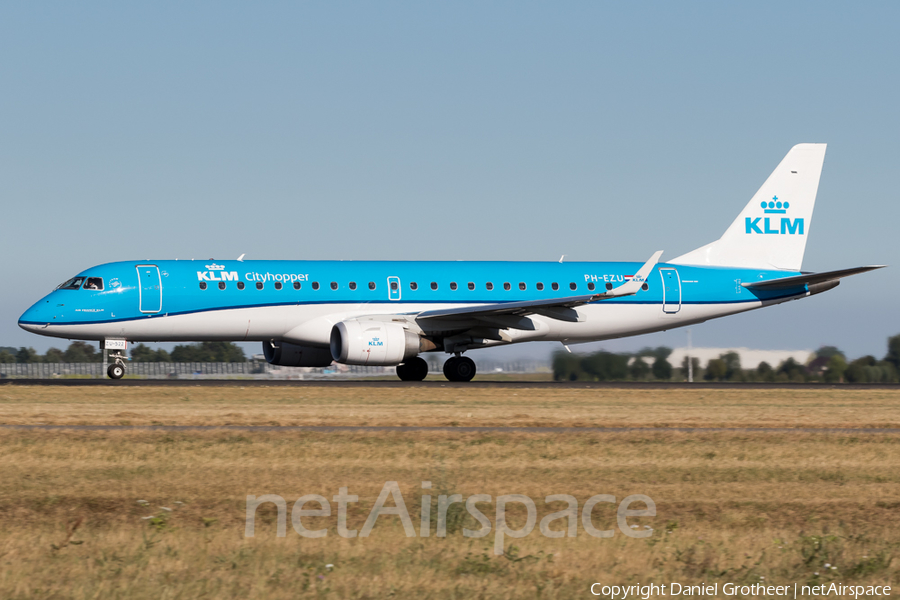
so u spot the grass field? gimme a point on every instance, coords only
(743, 507)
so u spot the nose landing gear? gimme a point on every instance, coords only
(459, 368)
(117, 369)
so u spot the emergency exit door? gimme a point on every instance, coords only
(671, 290)
(149, 288)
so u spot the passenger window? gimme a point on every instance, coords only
(334, 285)
(240, 285)
(471, 286)
(202, 285)
(506, 286)
(296, 285)
(278, 285)
(522, 286)
(371, 285)
(72, 284)
(394, 285)
(434, 285)
(259, 285)
(315, 285)
(93, 283)
(539, 286)
(573, 286)
(221, 285)
(645, 287)
(413, 285)
(608, 286)
(452, 285)
(591, 286)
(555, 286)
(352, 285)
(489, 285)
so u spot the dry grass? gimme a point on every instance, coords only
(739, 506)
(540, 406)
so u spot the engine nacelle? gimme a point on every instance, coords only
(292, 355)
(374, 343)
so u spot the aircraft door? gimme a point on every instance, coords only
(671, 290)
(149, 288)
(393, 288)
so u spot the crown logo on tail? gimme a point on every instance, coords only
(775, 206)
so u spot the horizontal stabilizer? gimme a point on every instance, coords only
(808, 278)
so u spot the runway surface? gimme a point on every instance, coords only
(406, 429)
(363, 383)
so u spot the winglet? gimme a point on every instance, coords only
(631, 287)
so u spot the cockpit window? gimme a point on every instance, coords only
(72, 284)
(93, 283)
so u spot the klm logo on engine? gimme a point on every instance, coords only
(774, 225)
(217, 273)
(375, 342)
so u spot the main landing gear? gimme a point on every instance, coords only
(459, 368)
(117, 369)
(415, 369)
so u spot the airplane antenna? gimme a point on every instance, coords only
(569, 350)
(241, 257)
(561, 258)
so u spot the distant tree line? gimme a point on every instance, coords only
(202, 352)
(84, 352)
(77, 352)
(646, 365)
(828, 364)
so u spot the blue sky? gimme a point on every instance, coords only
(508, 131)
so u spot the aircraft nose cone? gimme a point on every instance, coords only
(31, 319)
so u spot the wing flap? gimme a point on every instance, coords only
(526, 307)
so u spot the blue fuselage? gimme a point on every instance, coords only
(134, 299)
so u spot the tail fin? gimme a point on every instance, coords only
(770, 233)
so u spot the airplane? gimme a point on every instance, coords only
(388, 313)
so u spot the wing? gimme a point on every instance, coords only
(808, 278)
(555, 308)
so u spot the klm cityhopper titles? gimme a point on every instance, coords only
(310, 313)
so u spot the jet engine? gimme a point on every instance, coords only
(292, 355)
(375, 343)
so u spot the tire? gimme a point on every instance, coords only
(415, 369)
(404, 372)
(465, 369)
(115, 371)
(459, 368)
(450, 368)
(419, 368)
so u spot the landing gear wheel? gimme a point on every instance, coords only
(115, 371)
(459, 368)
(415, 369)
(450, 368)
